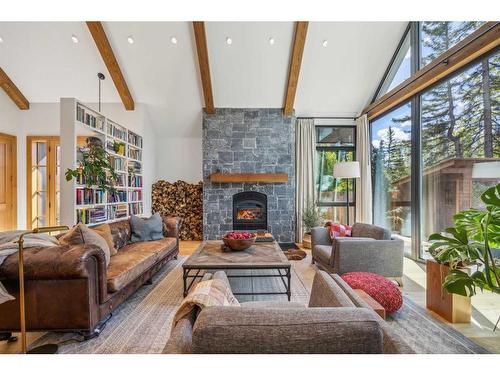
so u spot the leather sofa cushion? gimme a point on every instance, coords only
(121, 232)
(134, 259)
(81, 234)
(104, 230)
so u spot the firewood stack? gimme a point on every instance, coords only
(184, 200)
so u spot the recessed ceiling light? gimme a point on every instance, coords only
(74, 39)
(173, 40)
(271, 40)
(325, 43)
(130, 39)
(1, 39)
(229, 41)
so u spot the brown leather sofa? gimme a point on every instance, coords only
(69, 288)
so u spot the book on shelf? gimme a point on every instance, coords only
(117, 162)
(134, 154)
(119, 150)
(134, 139)
(135, 195)
(135, 208)
(120, 180)
(89, 196)
(117, 211)
(83, 115)
(134, 167)
(94, 215)
(116, 132)
(135, 181)
(117, 196)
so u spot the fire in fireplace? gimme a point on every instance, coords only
(249, 211)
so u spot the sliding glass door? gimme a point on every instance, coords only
(391, 172)
(460, 121)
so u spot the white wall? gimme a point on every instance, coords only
(179, 159)
(43, 119)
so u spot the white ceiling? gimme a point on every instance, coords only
(337, 80)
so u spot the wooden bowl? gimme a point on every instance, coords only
(239, 245)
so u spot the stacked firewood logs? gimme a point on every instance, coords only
(184, 200)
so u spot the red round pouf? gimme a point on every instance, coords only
(378, 287)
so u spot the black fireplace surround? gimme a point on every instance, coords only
(250, 211)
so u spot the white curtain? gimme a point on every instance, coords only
(364, 183)
(305, 145)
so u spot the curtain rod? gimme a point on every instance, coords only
(328, 118)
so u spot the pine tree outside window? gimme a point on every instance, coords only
(455, 124)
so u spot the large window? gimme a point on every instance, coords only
(460, 144)
(334, 144)
(435, 155)
(400, 67)
(391, 172)
(43, 181)
(438, 37)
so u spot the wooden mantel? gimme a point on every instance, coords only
(249, 177)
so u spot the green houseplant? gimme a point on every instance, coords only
(470, 243)
(95, 167)
(311, 217)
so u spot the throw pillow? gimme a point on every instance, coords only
(81, 234)
(339, 230)
(104, 230)
(146, 229)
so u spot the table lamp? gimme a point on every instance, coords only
(348, 170)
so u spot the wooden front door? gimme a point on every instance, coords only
(8, 183)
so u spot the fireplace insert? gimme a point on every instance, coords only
(249, 211)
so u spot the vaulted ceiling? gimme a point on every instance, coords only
(339, 79)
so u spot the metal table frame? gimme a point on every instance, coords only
(285, 277)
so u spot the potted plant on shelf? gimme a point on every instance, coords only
(311, 217)
(119, 147)
(95, 168)
(464, 259)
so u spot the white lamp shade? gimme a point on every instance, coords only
(346, 169)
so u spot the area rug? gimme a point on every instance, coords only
(142, 324)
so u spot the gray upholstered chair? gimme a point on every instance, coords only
(370, 249)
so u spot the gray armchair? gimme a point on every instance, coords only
(370, 249)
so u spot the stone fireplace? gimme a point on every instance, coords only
(249, 141)
(250, 211)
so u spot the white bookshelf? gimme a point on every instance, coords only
(90, 205)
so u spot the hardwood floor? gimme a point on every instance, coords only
(486, 307)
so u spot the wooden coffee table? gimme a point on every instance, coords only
(210, 255)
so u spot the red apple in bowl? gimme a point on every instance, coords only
(239, 241)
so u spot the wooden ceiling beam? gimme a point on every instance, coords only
(295, 63)
(13, 92)
(479, 43)
(202, 51)
(102, 43)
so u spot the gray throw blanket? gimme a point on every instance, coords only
(8, 246)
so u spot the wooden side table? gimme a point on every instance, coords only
(377, 307)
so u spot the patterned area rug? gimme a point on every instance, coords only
(142, 324)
